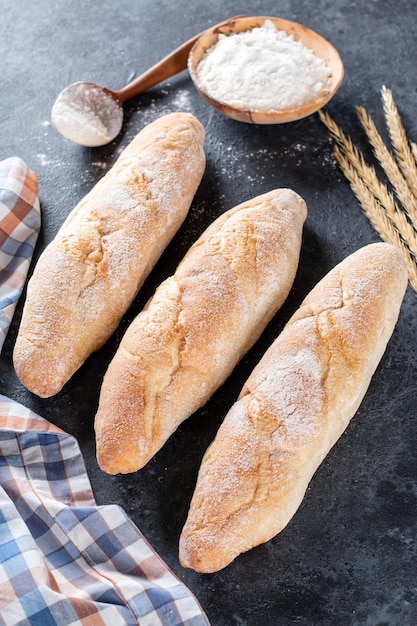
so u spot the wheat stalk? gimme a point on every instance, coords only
(373, 210)
(378, 190)
(379, 193)
(414, 150)
(403, 150)
(390, 166)
(377, 202)
(377, 214)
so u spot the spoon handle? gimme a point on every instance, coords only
(170, 65)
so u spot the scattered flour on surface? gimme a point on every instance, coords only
(45, 161)
(101, 164)
(262, 69)
(182, 101)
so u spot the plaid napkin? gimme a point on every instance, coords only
(20, 222)
(63, 559)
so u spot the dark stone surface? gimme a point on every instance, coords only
(348, 557)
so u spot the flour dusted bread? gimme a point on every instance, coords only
(293, 408)
(87, 277)
(197, 326)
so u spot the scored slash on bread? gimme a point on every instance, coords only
(197, 326)
(293, 408)
(88, 276)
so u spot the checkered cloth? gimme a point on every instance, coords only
(19, 227)
(63, 559)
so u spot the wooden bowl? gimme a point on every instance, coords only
(320, 46)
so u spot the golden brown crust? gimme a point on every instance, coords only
(197, 326)
(89, 274)
(293, 408)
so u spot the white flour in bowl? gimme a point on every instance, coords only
(262, 69)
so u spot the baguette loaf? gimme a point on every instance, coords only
(197, 326)
(88, 276)
(292, 409)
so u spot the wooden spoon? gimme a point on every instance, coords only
(320, 46)
(90, 115)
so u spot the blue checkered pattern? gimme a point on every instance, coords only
(64, 561)
(20, 221)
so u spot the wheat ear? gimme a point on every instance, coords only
(390, 166)
(375, 199)
(376, 214)
(414, 150)
(403, 150)
(379, 191)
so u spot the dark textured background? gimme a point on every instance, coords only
(348, 557)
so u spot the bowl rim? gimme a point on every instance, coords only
(300, 33)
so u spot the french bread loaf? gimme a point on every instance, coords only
(88, 276)
(197, 326)
(293, 408)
